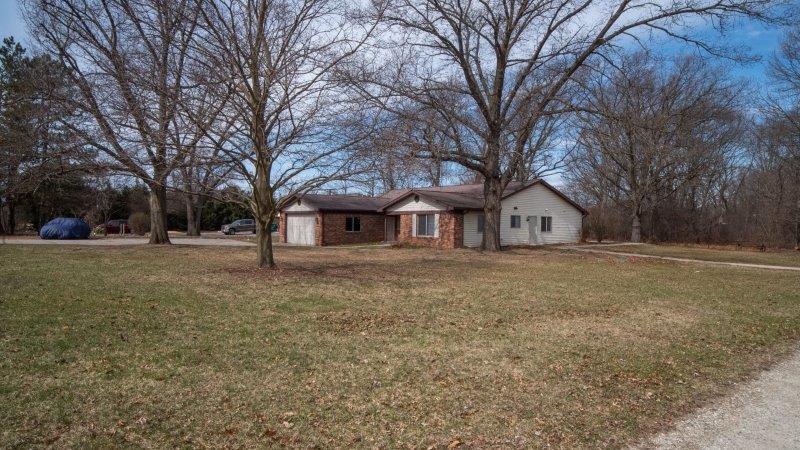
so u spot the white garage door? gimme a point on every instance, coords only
(300, 229)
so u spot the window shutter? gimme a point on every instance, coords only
(414, 225)
(436, 225)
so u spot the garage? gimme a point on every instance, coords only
(300, 229)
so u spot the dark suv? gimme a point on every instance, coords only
(117, 226)
(239, 225)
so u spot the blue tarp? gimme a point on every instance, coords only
(65, 228)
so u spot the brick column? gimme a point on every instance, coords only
(282, 228)
(318, 230)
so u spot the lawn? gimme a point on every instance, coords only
(772, 257)
(188, 346)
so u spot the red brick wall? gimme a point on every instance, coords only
(451, 231)
(331, 229)
(282, 228)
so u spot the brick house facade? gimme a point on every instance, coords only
(451, 231)
(332, 229)
(449, 217)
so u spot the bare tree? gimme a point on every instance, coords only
(782, 139)
(127, 59)
(281, 60)
(653, 131)
(203, 130)
(494, 70)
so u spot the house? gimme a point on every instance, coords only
(533, 213)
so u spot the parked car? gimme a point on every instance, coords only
(239, 225)
(115, 226)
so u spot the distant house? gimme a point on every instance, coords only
(533, 213)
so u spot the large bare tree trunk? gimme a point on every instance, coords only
(797, 225)
(12, 216)
(158, 215)
(263, 210)
(264, 230)
(636, 226)
(492, 193)
(194, 212)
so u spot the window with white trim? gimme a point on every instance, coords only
(352, 224)
(516, 221)
(426, 225)
(547, 224)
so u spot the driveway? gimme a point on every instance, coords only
(116, 242)
(763, 413)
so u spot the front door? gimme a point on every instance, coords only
(533, 230)
(391, 233)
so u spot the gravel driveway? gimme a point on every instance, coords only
(764, 413)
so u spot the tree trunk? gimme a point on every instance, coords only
(492, 194)
(264, 212)
(198, 213)
(158, 215)
(797, 225)
(192, 216)
(12, 217)
(636, 226)
(265, 256)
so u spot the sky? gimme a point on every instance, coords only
(762, 41)
(11, 23)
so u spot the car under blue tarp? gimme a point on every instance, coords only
(65, 228)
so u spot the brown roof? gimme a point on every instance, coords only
(460, 196)
(339, 202)
(470, 196)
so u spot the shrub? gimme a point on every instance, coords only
(139, 223)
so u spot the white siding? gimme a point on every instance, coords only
(471, 236)
(538, 200)
(409, 205)
(535, 201)
(302, 207)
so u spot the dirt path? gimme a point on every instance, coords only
(764, 413)
(594, 249)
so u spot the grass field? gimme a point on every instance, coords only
(773, 257)
(187, 346)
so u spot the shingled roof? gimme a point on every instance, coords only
(468, 196)
(343, 202)
(460, 196)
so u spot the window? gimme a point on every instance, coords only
(426, 224)
(352, 224)
(516, 221)
(547, 224)
(481, 223)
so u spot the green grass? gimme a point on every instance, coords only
(772, 257)
(184, 346)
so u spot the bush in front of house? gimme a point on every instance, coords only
(139, 223)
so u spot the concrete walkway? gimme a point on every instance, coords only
(764, 413)
(593, 249)
(116, 242)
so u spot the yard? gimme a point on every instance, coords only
(190, 346)
(725, 254)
